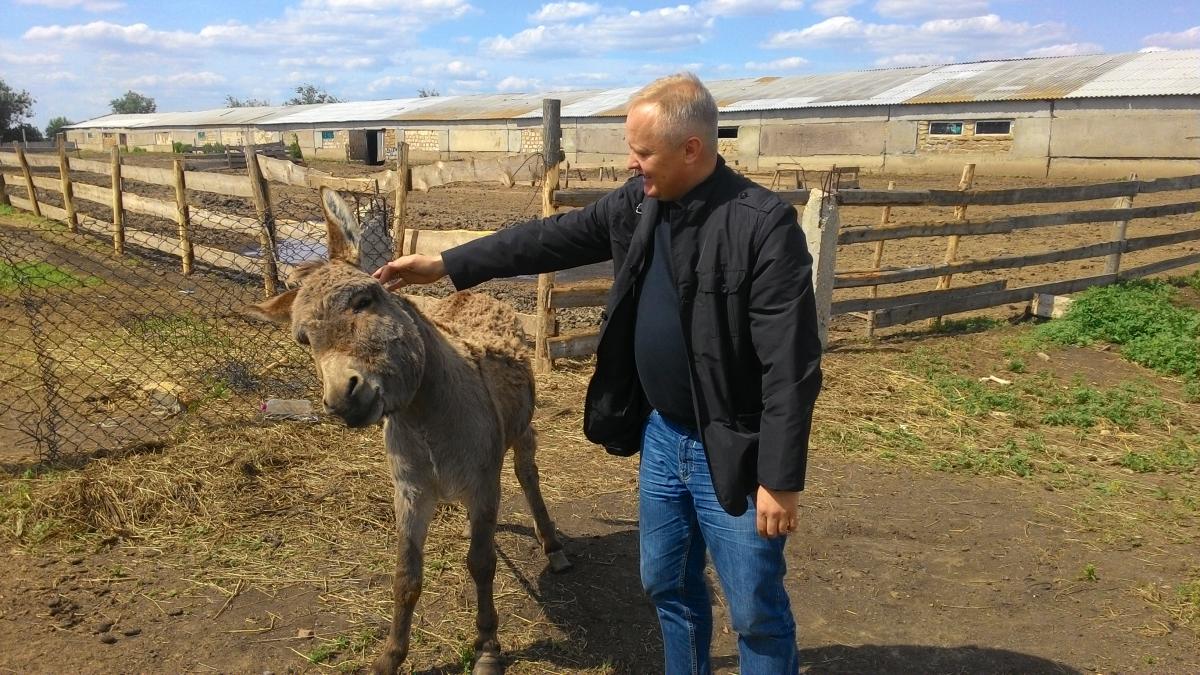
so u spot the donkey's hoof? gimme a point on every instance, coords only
(488, 664)
(559, 561)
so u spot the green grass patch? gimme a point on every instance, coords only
(179, 331)
(41, 275)
(6, 210)
(1083, 407)
(967, 394)
(1008, 459)
(971, 324)
(1178, 456)
(1140, 317)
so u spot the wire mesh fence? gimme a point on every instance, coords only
(107, 351)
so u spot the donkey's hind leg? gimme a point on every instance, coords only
(524, 460)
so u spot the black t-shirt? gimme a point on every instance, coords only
(659, 350)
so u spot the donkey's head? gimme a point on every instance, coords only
(369, 351)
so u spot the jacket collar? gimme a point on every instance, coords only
(698, 197)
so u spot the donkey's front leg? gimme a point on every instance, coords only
(482, 510)
(414, 511)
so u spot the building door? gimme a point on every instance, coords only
(356, 151)
(375, 149)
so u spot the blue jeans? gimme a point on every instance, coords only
(680, 517)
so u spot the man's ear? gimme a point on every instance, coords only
(276, 310)
(693, 149)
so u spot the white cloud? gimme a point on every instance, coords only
(909, 9)
(657, 30)
(742, 7)
(202, 79)
(105, 33)
(1067, 49)
(1184, 39)
(564, 11)
(30, 59)
(911, 60)
(833, 7)
(1151, 50)
(453, 8)
(59, 76)
(393, 82)
(455, 69)
(833, 29)
(518, 84)
(343, 62)
(972, 36)
(789, 63)
(86, 5)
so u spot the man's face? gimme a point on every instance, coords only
(663, 164)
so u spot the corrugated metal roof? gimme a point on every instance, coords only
(1150, 74)
(1114, 75)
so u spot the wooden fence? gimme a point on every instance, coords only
(821, 222)
(118, 198)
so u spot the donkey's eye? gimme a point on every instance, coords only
(302, 338)
(360, 303)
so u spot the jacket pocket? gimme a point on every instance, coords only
(720, 305)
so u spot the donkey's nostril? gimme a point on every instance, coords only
(353, 385)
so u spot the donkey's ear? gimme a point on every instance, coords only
(277, 309)
(345, 233)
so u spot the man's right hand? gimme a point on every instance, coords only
(411, 269)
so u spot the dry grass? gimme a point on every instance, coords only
(259, 505)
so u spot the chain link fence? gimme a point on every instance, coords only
(109, 346)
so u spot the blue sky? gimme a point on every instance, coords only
(74, 56)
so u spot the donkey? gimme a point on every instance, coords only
(452, 384)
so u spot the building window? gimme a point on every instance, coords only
(199, 135)
(326, 136)
(993, 127)
(727, 132)
(946, 128)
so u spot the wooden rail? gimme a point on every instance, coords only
(820, 220)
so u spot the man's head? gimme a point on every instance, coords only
(671, 129)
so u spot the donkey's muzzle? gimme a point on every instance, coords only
(350, 395)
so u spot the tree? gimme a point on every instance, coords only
(15, 106)
(307, 93)
(132, 102)
(427, 93)
(21, 132)
(56, 125)
(232, 101)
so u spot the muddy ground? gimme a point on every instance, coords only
(243, 545)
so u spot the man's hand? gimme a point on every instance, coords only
(776, 511)
(411, 269)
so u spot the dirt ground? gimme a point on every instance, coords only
(244, 545)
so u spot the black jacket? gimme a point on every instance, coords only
(744, 278)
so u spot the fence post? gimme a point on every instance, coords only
(64, 171)
(266, 221)
(1112, 265)
(821, 223)
(401, 201)
(551, 135)
(37, 209)
(4, 200)
(183, 219)
(118, 203)
(960, 214)
(877, 259)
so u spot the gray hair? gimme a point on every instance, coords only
(685, 108)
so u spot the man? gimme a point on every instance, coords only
(708, 363)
